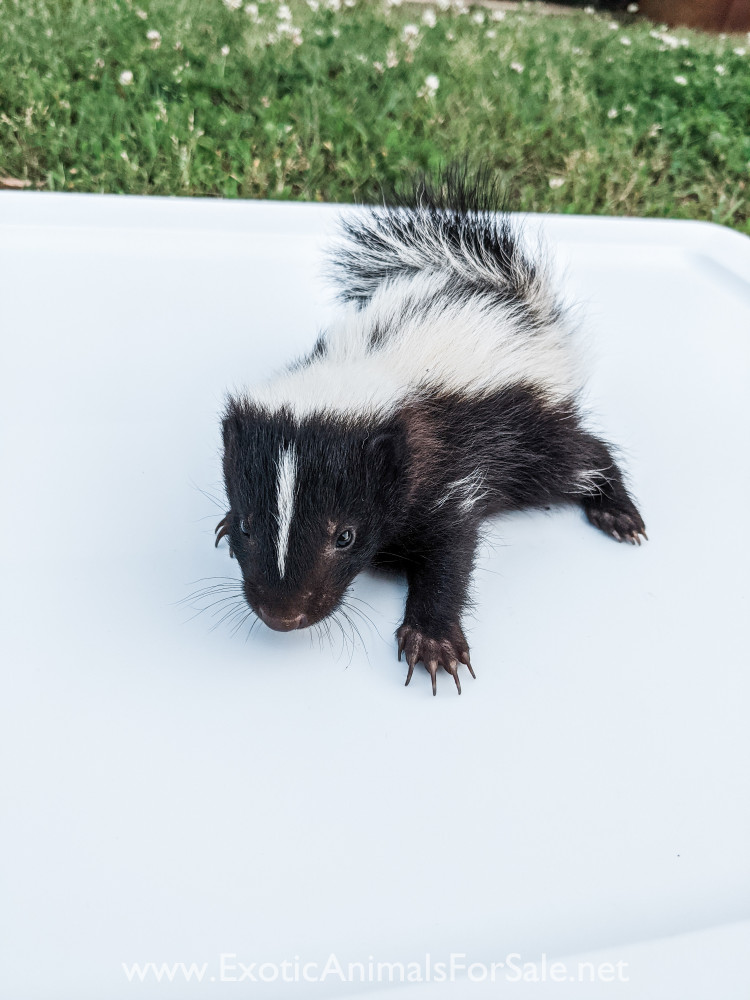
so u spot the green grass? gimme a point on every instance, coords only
(571, 116)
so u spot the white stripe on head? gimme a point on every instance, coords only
(287, 476)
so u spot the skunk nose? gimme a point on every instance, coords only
(282, 624)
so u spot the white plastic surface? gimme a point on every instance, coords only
(171, 794)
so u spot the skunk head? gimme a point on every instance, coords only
(311, 502)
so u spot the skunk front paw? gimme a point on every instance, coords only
(447, 652)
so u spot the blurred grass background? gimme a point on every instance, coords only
(585, 112)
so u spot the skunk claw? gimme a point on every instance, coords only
(221, 531)
(464, 658)
(453, 671)
(432, 666)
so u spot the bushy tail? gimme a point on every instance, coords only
(456, 225)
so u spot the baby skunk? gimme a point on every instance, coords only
(445, 392)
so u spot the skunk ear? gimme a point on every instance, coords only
(386, 453)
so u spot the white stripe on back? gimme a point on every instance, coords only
(287, 476)
(430, 343)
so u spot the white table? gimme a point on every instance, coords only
(172, 793)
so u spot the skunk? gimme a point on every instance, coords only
(446, 390)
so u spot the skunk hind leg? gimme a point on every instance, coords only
(606, 501)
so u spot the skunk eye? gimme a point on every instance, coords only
(345, 539)
(244, 526)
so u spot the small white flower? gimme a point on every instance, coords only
(612, 113)
(478, 17)
(577, 51)
(233, 4)
(161, 112)
(334, 5)
(291, 32)
(589, 10)
(126, 78)
(654, 130)
(142, 14)
(312, 4)
(443, 4)
(517, 67)
(391, 59)
(490, 34)
(429, 18)
(379, 67)
(498, 15)
(154, 38)
(624, 40)
(225, 50)
(409, 32)
(283, 13)
(99, 64)
(613, 26)
(721, 70)
(350, 3)
(556, 182)
(124, 156)
(251, 9)
(432, 83)
(669, 41)
(740, 51)
(681, 80)
(633, 8)
(629, 108)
